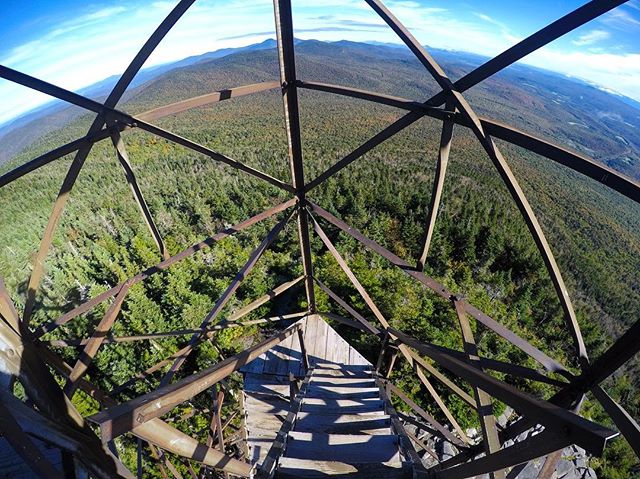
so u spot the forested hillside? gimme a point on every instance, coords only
(481, 247)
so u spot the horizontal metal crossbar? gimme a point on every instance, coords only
(562, 155)
(124, 417)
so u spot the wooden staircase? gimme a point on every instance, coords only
(342, 425)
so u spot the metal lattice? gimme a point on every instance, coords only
(54, 418)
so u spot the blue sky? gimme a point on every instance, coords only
(74, 43)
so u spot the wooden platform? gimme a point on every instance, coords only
(266, 380)
(323, 345)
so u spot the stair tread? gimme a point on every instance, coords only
(367, 423)
(343, 367)
(290, 468)
(343, 402)
(319, 391)
(340, 373)
(346, 382)
(343, 447)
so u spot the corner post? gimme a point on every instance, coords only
(286, 57)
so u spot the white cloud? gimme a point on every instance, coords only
(620, 19)
(594, 36)
(101, 42)
(618, 72)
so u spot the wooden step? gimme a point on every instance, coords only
(290, 468)
(341, 406)
(268, 389)
(341, 392)
(343, 447)
(345, 382)
(366, 423)
(327, 373)
(343, 367)
(265, 403)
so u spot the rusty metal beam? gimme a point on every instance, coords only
(406, 352)
(576, 161)
(592, 437)
(116, 118)
(92, 346)
(535, 446)
(135, 413)
(625, 423)
(403, 349)
(442, 291)
(275, 292)
(625, 347)
(546, 35)
(366, 324)
(503, 168)
(163, 265)
(352, 277)
(485, 406)
(441, 430)
(438, 184)
(286, 58)
(509, 369)
(369, 145)
(112, 100)
(224, 299)
(342, 320)
(406, 446)
(54, 154)
(169, 334)
(155, 431)
(208, 99)
(150, 115)
(123, 158)
(20, 359)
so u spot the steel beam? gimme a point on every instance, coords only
(132, 414)
(64, 343)
(442, 291)
(370, 303)
(520, 452)
(503, 168)
(123, 158)
(286, 58)
(592, 437)
(576, 161)
(20, 359)
(438, 184)
(92, 346)
(112, 100)
(151, 115)
(122, 120)
(275, 292)
(542, 37)
(485, 406)
(205, 100)
(366, 324)
(224, 299)
(442, 431)
(161, 266)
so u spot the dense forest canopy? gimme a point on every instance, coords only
(481, 248)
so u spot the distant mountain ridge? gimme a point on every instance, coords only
(569, 111)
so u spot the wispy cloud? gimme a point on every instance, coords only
(504, 29)
(99, 42)
(589, 38)
(621, 19)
